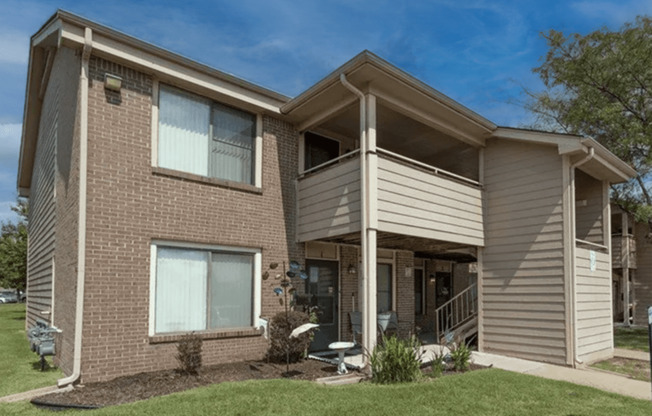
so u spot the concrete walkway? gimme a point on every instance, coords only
(587, 377)
(29, 395)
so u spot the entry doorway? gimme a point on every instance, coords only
(322, 288)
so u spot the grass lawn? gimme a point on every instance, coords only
(486, 392)
(19, 366)
(631, 338)
(638, 370)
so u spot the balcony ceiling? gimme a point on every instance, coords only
(421, 247)
(404, 135)
(373, 75)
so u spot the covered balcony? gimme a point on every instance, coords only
(388, 163)
(425, 182)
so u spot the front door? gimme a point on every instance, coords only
(322, 288)
(443, 288)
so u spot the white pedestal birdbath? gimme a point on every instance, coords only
(341, 348)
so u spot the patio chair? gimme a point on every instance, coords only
(387, 321)
(356, 324)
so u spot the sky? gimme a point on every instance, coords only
(479, 53)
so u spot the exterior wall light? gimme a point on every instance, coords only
(112, 82)
(352, 269)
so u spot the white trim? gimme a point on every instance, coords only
(606, 225)
(52, 298)
(151, 59)
(258, 152)
(257, 160)
(81, 225)
(256, 286)
(203, 246)
(155, 104)
(152, 289)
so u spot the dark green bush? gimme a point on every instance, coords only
(189, 353)
(461, 357)
(396, 360)
(280, 328)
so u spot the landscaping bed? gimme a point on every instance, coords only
(147, 385)
(144, 386)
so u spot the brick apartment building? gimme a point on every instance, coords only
(161, 190)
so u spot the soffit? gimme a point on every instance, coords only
(398, 90)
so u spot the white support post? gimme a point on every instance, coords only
(370, 227)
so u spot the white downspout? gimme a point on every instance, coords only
(573, 244)
(81, 235)
(363, 199)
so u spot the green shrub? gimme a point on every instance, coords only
(396, 360)
(280, 328)
(438, 364)
(189, 353)
(461, 357)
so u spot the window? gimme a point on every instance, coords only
(319, 149)
(196, 135)
(202, 289)
(384, 288)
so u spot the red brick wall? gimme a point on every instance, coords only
(349, 287)
(130, 204)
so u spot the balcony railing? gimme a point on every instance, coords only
(411, 198)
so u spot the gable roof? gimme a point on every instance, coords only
(366, 70)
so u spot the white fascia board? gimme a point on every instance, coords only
(566, 143)
(141, 59)
(611, 161)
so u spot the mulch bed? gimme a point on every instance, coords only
(147, 385)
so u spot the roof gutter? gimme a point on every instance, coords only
(573, 283)
(81, 226)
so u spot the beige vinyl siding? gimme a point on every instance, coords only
(588, 207)
(49, 206)
(642, 275)
(621, 245)
(593, 300)
(41, 229)
(421, 204)
(522, 289)
(329, 202)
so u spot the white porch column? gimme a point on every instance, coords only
(624, 253)
(370, 227)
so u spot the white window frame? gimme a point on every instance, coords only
(257, 276)
(258, 139)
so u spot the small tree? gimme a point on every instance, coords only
(13, 249)
(600, 85)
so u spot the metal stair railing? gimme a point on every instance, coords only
(457, 311)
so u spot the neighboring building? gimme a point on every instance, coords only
(158, 203)
(632, 269)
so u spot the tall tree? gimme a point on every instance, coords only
(13, 249)
(600, 85)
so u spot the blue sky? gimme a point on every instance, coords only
(479, 53)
